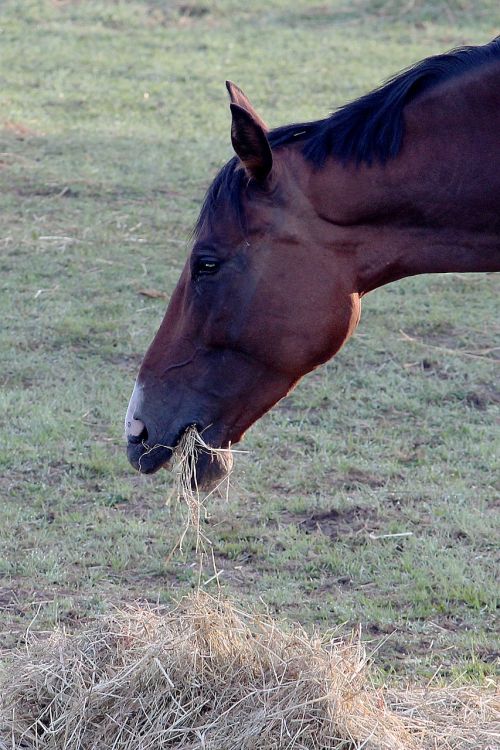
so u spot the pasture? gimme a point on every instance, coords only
(367, 497)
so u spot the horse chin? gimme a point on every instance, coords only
(212, 469)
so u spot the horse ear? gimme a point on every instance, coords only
(250, 143)
(237, 96)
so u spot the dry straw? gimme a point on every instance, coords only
(186, 487)
(206, 676)
(203, 676)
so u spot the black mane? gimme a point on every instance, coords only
(368, 130)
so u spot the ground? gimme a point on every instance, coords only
(366, 499)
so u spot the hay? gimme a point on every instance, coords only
(451, 718)
(210, 677)
(202, 676)
(186, 489)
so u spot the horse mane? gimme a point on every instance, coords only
(367, 130)
(371, 128)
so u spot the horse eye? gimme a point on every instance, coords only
(205, 267)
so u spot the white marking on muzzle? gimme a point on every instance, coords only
(133, 426)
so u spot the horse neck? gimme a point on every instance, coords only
(436, 206)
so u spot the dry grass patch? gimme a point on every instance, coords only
(451, 718)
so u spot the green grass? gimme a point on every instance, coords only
(114, 120)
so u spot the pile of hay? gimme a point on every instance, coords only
(202, 676)
(207, 676)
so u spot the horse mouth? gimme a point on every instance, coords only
(148, 459)
(211, 466)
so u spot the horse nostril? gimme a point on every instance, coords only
(140, 438)
(135, 430)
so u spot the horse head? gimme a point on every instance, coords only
(258, 305)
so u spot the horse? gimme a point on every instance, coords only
(298, 226)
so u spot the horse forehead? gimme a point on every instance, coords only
(222, 229)
(289, 212)
(259, 212)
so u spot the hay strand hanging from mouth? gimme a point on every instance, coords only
(186, 486)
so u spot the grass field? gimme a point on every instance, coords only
(113, 121)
